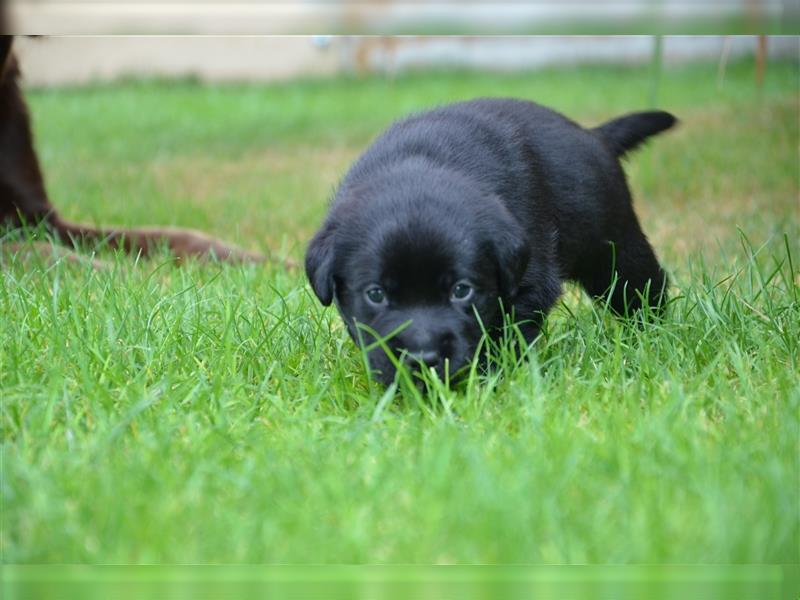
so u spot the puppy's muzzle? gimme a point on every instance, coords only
(429, 358)
(426, 348)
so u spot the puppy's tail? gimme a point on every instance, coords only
(626, 133)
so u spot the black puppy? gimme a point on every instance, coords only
(481, 207)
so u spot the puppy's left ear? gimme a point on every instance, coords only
(512, 254)
(319, 263)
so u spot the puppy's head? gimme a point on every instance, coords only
(419, 259)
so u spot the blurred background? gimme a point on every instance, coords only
(247, 136)
(56, 60)
(403, 17)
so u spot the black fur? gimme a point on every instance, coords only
(628, 132)
(506, 196)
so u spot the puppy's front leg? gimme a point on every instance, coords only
(534, 299)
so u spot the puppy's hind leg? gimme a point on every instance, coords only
(626, 273)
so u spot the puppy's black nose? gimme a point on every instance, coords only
(429, 358)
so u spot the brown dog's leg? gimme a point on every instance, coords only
(23, 198)
(183, 243)
(5, 52)
(22, 193)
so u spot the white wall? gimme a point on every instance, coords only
(53, 61)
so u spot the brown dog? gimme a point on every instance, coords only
(24, 200)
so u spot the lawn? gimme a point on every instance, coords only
(210, 413)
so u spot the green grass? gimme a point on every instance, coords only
(219, 414)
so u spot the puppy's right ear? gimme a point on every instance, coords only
(319, 263)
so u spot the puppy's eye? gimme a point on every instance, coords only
(376, 295)
(461, 291)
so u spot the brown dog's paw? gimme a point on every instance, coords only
(190, 243)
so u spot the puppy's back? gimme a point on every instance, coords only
(540, 163)
(483, 139)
